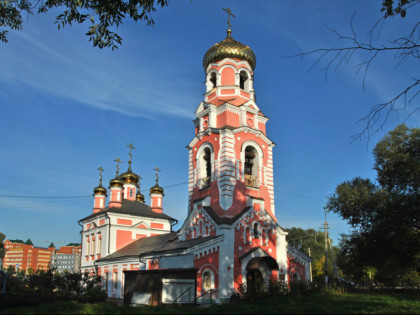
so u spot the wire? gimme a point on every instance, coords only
(143, 190)
(298, 195)
(42, 197)
(175, 185)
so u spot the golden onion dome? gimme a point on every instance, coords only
(99, 190)
(116, 182)
(229, 48)
(156, 190)
(129, 177)
(140, 197)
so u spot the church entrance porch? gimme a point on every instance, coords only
(257, 272)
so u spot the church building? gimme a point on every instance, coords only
(231, 234)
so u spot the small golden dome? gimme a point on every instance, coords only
(156, 190)
(129, 177)
(140, 197)
(229, 48)
(99, 190)
(116, 182)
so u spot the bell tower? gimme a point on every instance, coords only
(230, 156)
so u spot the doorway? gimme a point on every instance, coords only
(255, 281)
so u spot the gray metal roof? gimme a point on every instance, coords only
(168, 242)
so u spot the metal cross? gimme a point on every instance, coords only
(100, 169)
(157, 174)
(118, 164)
(229, 14)
(131, 148)
(138, 183)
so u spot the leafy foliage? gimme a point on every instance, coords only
(11, 15)
(385, 216)
(400, 9)
(103, 15)
(46, 287)
(315, 240)
(275, 289)
(11, 270)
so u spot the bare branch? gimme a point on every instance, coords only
(373, 116)
(403, 48)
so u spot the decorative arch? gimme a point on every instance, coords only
(211, 80)
(260, 261)
(244, 79)
(252, 162)
(200, 228)
(205, 165)
(247, 234)
(255, 230)
(208, 280)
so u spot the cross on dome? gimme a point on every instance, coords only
(130, 154)
(100, 169)
(157, 173)
(229, 12)
(118, 165)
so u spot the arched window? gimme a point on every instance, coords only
(208, 280)
(251, 166)
(200, 228)
(247, 236)
(205, 168)
(256, 234)
(213, 79)
(295, 277)
(244, 81)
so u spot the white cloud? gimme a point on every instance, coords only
(57, 67)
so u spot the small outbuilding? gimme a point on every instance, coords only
(162, 286)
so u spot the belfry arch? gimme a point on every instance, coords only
(211, 81)
(251, 158)
(244, 80)
(205, 161)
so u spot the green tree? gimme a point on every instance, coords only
(385, 217)
(315, 241)
(11, 270)
(2, 249)
(102, 15)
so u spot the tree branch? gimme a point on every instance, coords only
(404, 47)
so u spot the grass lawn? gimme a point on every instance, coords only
(317, 303)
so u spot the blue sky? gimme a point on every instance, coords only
(68, 108)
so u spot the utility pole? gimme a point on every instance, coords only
(335, 270)
(325, 227)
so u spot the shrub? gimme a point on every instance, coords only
(277, 288)
(93, 295)
(298, 288)
(246, 293)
